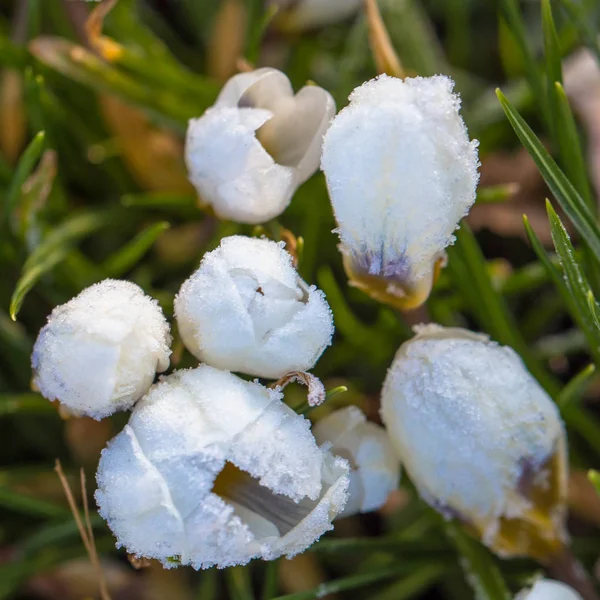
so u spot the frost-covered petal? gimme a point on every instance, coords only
(100, 352)
(214, 470)
(479, 438)
(248, 153)
(401, 173)
(547, 589)
(246, 309)
(300, 15)
(232, 171)
(375, 469)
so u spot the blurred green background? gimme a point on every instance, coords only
(93, 185)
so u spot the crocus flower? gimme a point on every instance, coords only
(375, 469)
(249, 152)
(214, 470)
(300, 15)
(480, 439)
(246, 309)
(547, 589)
(401, 173)
(100, 351)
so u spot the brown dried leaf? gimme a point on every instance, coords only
(13, 119)
(227, 40)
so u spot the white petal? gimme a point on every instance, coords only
(232, 171)
(401, 173)
(157, 478)
(467, 420)
(246, 309)
(100, 351)
(376, 470)
(546, 589)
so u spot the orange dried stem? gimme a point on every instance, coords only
(386, 59)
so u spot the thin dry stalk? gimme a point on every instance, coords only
(384, 55)
(85, 529)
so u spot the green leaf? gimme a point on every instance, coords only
(516, 25)
(24, 168)
(345, 583)
(127, 257)
(551, 45)
(269, 588)
(569, 199)
(238, 583)
(29, 505)
(578, 15)
(27, 403)
(594, 477)
(470, 275)
(481, 570)
(576, 387)
(576, 283)
(54, 249)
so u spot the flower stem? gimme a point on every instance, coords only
(565, 567)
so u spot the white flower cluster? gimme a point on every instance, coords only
(211, 469)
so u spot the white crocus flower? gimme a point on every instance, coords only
(547, 589)
(214, 470)
(250, 151)
(401, 173)
(246, 309)
(100, 351)
(480, 439)
(375, 469)
(300, 15)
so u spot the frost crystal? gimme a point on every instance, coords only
(401, 173)
(547, 589)
(375, 469)
(100, 351)
(214, 470)
(247, 310)
(477, 434)
(248, 153)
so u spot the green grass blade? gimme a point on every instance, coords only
(576, 387)
(567, 196)
(470, 275)
(551, 45)
(127, 257)
(570, 147)
(28, 505)
(238, 583)
(345, 583)
(24, 168)
(54, 249)
(584, 25)
(27, 403)
(576, 282)
(481, 570)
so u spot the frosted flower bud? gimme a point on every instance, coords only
(310, 14)
(375, 469)
(246, 309)
(214, 470)
(249, 152)
(480, 439)
(100, 352)
(401, 173)
(547, 589)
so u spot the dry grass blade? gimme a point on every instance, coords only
(85, 529)
(106, 47)
(386, 59)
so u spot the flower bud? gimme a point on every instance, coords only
(248, 153)
(401, 173)
(300, 15)
(480, 439)
(215, 470)
(375, 470)
(547, 589)
(100, 352)
(246, 309)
